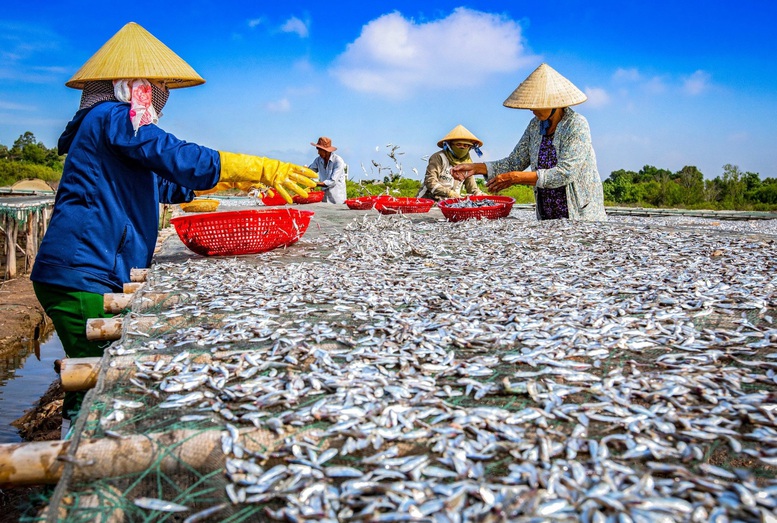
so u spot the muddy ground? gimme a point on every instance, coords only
(22, 318)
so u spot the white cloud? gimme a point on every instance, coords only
(279, 106)
(254, 22)
(394, 56)
(655, 85)
(295, 25)
(597, 97)
(627, 75)
(696, 83)
(303, 65)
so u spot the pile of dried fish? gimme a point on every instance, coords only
(480, 371)
(467, 203)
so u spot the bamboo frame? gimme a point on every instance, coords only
(78, 374)
(39, 463)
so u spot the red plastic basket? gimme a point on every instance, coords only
(313, 197)
(276, 199)
(362, 203)
(503, 206)
(241, 232)
(392, 205)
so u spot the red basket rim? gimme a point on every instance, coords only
(364, 198)
(224, 215)
(361, 203)
(404, 201)
(398, 205)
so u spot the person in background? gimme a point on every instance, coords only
(120, 166)
(557, 143)
(438, 182)
(331, 170)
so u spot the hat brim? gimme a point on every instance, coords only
(330, 149)
(133, 52)
(460, 133)
(545, 88)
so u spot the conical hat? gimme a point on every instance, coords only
(545, 88)
(460, 133)
(133, 52)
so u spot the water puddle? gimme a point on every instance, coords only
(26, 372)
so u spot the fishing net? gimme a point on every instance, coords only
(412, 369)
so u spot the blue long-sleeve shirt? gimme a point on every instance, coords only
(106, 213)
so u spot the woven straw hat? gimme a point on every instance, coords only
(460, 133)
(545, 88)
(133, 52)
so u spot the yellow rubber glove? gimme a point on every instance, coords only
(244, 170)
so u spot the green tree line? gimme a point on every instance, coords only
(687, 188)
(29, 158)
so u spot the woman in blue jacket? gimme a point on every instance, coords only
(120, 165)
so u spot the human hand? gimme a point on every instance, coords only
(463, 171)
(503, 181)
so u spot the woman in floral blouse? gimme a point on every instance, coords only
(557, 143)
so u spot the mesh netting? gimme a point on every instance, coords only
(423, 370)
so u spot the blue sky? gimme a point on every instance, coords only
(669, 83)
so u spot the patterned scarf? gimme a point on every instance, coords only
(146, 99)
(143, 109)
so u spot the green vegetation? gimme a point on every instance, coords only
(29, 158)
(687, 188)
(650, 187)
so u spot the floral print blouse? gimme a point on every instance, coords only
(576, 167)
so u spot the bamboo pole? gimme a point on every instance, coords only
(78, 374)
(31, 241)
(152, 299)
(11, 230)
(104, 497)
(116, 302)
(36, 463)
(131, 287)
(32, 463)
(110, 329)
(45, 222)
(138, 275)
